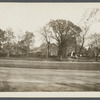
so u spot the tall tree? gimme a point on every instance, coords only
(94, 40)
(61, 30)
(27, 41)
(9, 36)
(2, 38)
(95, 43)
(46, 33)
(89, 17)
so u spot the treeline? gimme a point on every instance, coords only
(9, 46)
(69, 38)
(66, 36)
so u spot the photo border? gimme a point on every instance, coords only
(37, 96)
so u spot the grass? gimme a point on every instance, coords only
(50, 65)
(82, 59)
(49, 76)
(48, 80)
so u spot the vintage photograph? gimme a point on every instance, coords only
(49, 47)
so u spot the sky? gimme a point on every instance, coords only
(31, 17)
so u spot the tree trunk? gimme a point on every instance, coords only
(27, 54)
(48, 50)
(81, 46)
(60, 52)
(75, 45)
(96, 53)
(96, 58)
(60, 57)
(8, 54)
(27, 51)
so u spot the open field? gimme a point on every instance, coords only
(21, 79)
(50, 65)
(48, 76)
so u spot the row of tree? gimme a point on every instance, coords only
(65, 34)
(9, 44)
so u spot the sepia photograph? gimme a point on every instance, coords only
(49, 47)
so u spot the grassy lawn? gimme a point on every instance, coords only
(50, 65)
(23, 75)
(48, 80)
(82, 59)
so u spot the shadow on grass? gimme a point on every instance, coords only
(4, 86)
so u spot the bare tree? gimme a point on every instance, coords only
(9, 36)
(46, 33)
(95, 40)
(88, 18)
(95, 43)
(82, 38)
(27, 40)
(2, 38)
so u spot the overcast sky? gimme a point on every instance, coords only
(32, 16)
